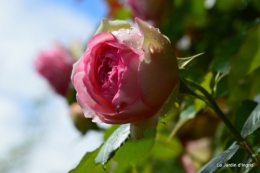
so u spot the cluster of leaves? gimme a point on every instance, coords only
(191, 134)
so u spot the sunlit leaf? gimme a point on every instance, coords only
(112, 144)
(87, 163)
(206, 85)
(115, 167)
(164, 149)
(133, 150)
(109, 131)
(252, 123)
(219, 161)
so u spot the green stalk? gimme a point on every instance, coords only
(211, 102)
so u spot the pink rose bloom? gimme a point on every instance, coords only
(127, 75)
(56, 65)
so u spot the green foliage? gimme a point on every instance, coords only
(115, 140)
(252, 123)
(165, 149)
(188, 113)
(244, 63)
(133, 150)
(87, 163)
(219, 161)
(243, 113)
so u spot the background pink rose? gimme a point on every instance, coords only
(56, 65)
(126, 75)
(149, 10)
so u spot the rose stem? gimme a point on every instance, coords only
(242, 141)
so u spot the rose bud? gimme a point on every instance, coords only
(80, 122)
(127, 75)
(55, 65)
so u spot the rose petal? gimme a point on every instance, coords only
(101, 38)
(86, 80)
(128, 89)
(137, 112)
(131, 37)
(138, 128)
(153, 36)
(84, 98)
(159, 68)
(110, 26)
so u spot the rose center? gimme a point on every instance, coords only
(107, 70)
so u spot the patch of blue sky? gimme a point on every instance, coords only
(96, 9)
(29, 26)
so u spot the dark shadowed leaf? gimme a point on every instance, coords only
(254, 170)
(252, 123)
(217, 162)
(112, 144)
(243, 112)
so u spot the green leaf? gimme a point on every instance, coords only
(115, 167)
(219, 161)
(246, 88)
(241, 156)
(169, 166)
(112, 144)
(252, 123)
(254, 170)
(188, 113)
(256, 152)
(133, 150)
(243, 113)
(206, 85)
(165, 149)
(245, 62)
(182, 62)
(224, 52)
(87, 163)
(109, 131)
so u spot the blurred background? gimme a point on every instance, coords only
(40, 125)
(36, 131)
